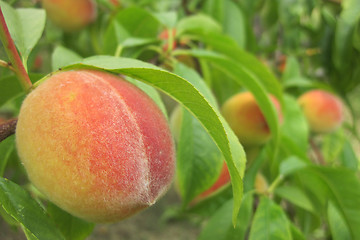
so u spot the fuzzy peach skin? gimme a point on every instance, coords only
(70, 15)
(95, 145)
(246, 119)
(323, 110)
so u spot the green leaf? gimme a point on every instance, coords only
(231, 18)
(247, 62)
(6, 147)
(25, 26)
(167, 19)
(32, 26)
(215, 8)
(288, 148)
(303, 82)
(295, 125)
(223, 86)
(194, 78)
(138, 22)
(345, 27)
(234, 23)
(296, 196)
(71, 227)
(246, 78)
(135, 42)
(254, 168)
(207, 207)
(219, 226)
(292, 69)
(296, 233)
(338, 227)
(356, 38)
(63, 56)
(291, 165)
(348, 157)
(10, 87)
(185, 93)
(19, 204)
(114, 35)
(332, 145)
(269, 222)
(344, 187)
(197, 24)
(199, 162)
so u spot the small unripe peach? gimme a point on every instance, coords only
(261, 185)
(323, 110)
(246, 119)
(70, 15)
(95, 145)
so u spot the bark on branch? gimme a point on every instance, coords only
(7, 128)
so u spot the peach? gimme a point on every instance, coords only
(323, 110)
(261, 185)
(246, 119)
(95, 145)
(70, 15)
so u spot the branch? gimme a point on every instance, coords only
(13, 54)
(184, 4)
(317, 152)
(7, 129)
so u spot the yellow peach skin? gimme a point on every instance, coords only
(70, 15)
(323, 110)
(95, 145)
(246, 119)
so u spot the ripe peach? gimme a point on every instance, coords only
(95, 145)
(246, 119)
(323, 110)
(70, 15)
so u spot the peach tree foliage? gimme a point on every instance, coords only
(311, 183)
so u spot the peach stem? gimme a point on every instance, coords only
(14, 57)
